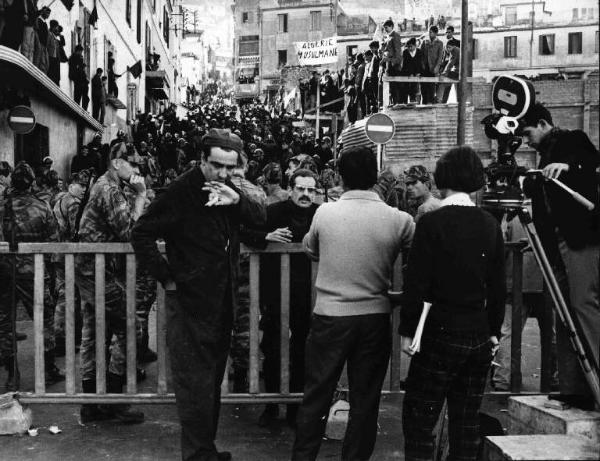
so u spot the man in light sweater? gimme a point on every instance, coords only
(356, 241)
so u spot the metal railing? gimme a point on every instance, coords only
(161, 394)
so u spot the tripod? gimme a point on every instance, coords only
(560, 306)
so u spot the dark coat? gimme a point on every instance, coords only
(410, 65)
(202, 244)
(552, 206)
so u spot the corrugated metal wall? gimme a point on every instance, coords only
(423, 134)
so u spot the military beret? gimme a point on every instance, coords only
(224, 138)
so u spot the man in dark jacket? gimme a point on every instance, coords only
(79, 77)
(287, 222)
(570, 234)
(199, 216)
(412, 66)
(98, 96)
(392, 57)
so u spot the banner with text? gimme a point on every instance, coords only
(317, 52)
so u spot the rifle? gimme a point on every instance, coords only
(84, 201)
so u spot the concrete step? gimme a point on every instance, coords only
(528, 415)
(540, 448)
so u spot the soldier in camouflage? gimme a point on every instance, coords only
(25, 218)
(108, 217)
(240, 340)
(66, 212)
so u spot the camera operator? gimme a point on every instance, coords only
(571, 236)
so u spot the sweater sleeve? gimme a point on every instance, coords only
(419, 275)
(496, 286)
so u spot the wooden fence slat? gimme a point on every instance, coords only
(130, 323)
(254, 312)
(161, 339)
(70, 324)
(516, 377)
(38, 323)
(284, 342)
(100, 315)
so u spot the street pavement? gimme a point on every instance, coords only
(158, 437)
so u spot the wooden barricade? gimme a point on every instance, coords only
(99, 251)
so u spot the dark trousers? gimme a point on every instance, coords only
(361, 102)
(54, 70)
(408, 92)
(450, 366)
(98, 109)
(428, 90)
(198, 353)
(80, 94)
(364, 342)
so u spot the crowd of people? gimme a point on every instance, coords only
(359, 92)
(227, 175)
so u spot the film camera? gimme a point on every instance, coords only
(512, 97)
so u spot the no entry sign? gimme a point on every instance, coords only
(21, 119)
(380, 128)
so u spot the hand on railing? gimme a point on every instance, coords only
(281, 235)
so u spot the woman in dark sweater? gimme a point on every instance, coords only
(456, 263)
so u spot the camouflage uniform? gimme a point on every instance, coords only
(107, 217)
(240, 341)
(65, 211)
(33, 222)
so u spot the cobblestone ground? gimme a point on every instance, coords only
(158, 437)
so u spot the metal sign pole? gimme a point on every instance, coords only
(379, 157)
(317, 135)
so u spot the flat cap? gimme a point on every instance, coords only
(223, 138)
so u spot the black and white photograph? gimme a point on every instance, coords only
(299, 230)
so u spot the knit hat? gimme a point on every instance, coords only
(417, 173)
(224, 138)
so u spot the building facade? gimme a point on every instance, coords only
(116, 34)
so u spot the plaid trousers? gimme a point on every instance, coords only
(452, 366)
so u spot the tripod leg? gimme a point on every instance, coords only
(559, 303)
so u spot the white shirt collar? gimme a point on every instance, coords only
(458, 199)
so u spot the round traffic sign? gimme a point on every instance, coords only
(21, 119)
(380, 128)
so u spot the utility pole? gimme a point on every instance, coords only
(464, 70)
(531, 38)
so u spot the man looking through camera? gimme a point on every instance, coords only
(570, 234)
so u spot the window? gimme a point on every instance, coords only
(583, 13)
(510, 47)
(575, 14)
(248, 45)
(166, 25)
(547, 44)
(138, 23)
(596, 47)
(510, 17)
(128, 11)
(474, 49)
(283, 23)
(282, 58)
(575, 39)
(245, 17)
(315, 20)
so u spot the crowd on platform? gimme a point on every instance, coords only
(359, 92)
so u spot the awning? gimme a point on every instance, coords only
(157, 79)
(116, 103)
(19, 71)
(158, 93)
(254, 59)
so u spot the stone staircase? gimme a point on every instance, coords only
(537, 433)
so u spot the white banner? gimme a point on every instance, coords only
(317, 52)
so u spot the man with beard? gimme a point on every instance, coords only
(199, 217)
(287, 222)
